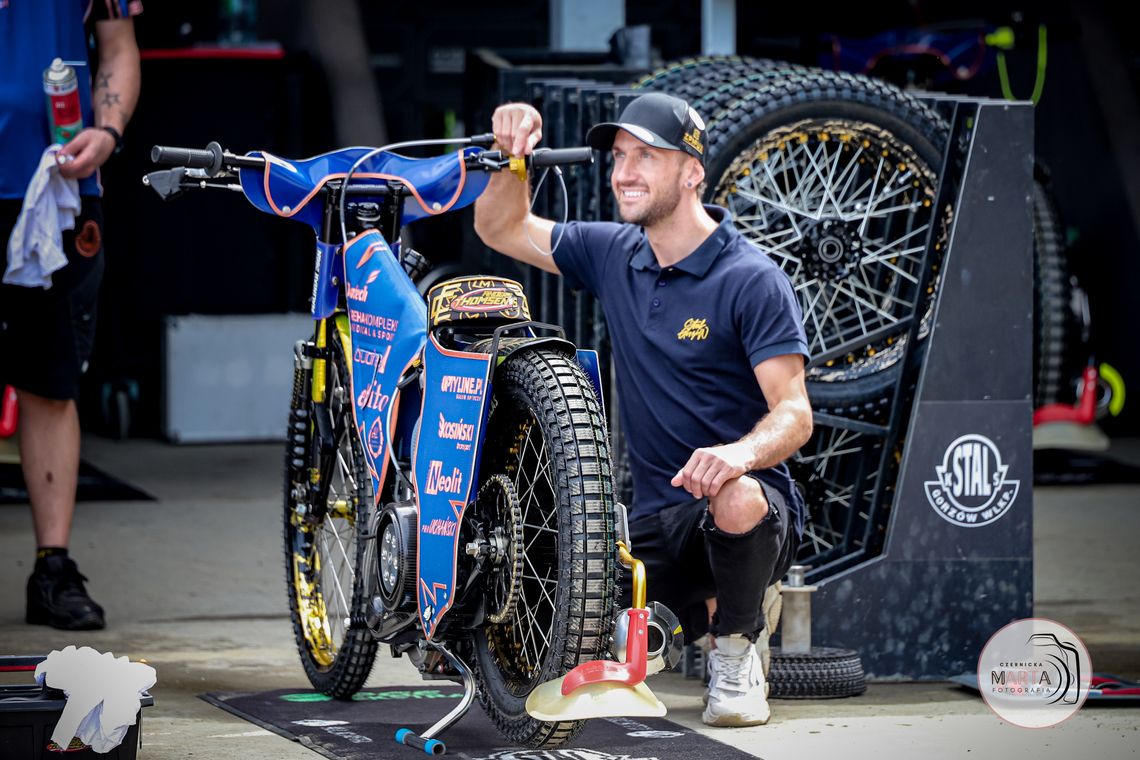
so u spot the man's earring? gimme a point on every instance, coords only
(688, 184)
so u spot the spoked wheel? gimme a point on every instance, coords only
(835, 178)
(547, 440)
(711, 85)
(838, 470)
(323, 542)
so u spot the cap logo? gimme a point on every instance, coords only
(696, 117)
(693, 140)
(641, 133)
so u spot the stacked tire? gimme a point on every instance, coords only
(1060, 312)
(821, 673)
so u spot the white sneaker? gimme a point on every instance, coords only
(737, 693)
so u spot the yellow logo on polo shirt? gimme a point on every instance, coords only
(694, 329)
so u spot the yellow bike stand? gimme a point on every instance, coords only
(604, 688)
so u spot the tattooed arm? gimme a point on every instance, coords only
(114, 94)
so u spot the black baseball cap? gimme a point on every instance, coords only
(659, 120)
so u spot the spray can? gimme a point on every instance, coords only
(64, 113)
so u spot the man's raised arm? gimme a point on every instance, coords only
(502, 214)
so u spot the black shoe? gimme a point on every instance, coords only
(57, 597)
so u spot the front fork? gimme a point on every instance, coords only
(312, 438)
(300, 424)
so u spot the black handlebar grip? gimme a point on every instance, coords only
(209, 159)
(544, 157)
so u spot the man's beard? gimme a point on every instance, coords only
(659, 209)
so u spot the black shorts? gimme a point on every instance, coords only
(673, 547)
(46, 336)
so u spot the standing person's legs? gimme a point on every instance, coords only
(49, 455)
(46, 336)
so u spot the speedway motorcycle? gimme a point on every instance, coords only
(448, 488)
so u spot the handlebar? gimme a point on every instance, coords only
(191, 164)
(213, 159)
(210, 159)
(547, 157)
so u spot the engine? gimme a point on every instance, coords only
(393, 604)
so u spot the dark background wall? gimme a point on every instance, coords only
(215, 254)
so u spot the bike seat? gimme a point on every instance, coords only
(438, 184)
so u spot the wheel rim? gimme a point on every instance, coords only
(845, 209)
(522, 642)
(323, 563)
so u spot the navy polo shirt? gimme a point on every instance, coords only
(685, 342)
(32, 34)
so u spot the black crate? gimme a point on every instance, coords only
(29, 713)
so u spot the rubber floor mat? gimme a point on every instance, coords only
(93, 485)
(365, 728)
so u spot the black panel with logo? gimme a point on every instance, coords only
(957, 558)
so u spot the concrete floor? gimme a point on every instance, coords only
(193, 583)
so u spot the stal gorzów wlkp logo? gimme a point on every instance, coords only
(972, 489)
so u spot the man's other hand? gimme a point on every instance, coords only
(710, 468)
(89, 150)
(517, 128)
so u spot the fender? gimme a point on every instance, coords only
(504, 347)
(509, 346)
(587, 358)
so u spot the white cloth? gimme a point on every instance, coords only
(35, 249)
(102, 695)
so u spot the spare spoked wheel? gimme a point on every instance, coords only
(834, 176)
(711, 85)
(704, 71)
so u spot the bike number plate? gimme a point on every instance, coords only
(456, 389)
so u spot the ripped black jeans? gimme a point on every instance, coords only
(688, 559)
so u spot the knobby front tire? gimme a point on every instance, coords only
(323, 554)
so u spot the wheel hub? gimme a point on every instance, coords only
(831, 249)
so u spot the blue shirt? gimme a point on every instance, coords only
(685, 341)
(32, 34)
